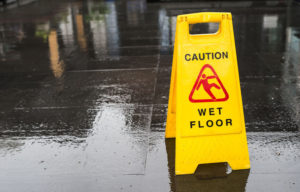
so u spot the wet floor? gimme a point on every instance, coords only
(84, 92)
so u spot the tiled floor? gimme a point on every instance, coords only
(84, 90)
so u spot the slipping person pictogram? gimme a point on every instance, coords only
(207, 87)
(203, 79)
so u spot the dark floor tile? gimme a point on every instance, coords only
(266, 108)
(162, 86)
(159, 117)
(123, 62)
(165, 60)
(84, 89)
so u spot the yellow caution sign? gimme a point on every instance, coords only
(205, 111)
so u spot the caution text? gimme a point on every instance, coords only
(206, 56)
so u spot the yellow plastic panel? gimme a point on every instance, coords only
(205, 111)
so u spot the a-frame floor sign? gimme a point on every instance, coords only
(205, 111)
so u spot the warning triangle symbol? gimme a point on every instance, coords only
(208, 87)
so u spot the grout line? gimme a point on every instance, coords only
(134, 105)
(151, 111)
(104, 70)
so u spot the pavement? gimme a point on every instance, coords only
(84, 92)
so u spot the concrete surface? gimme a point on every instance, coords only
(84, 91)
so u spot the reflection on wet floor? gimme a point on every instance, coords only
(84, 91)
(214, 177)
